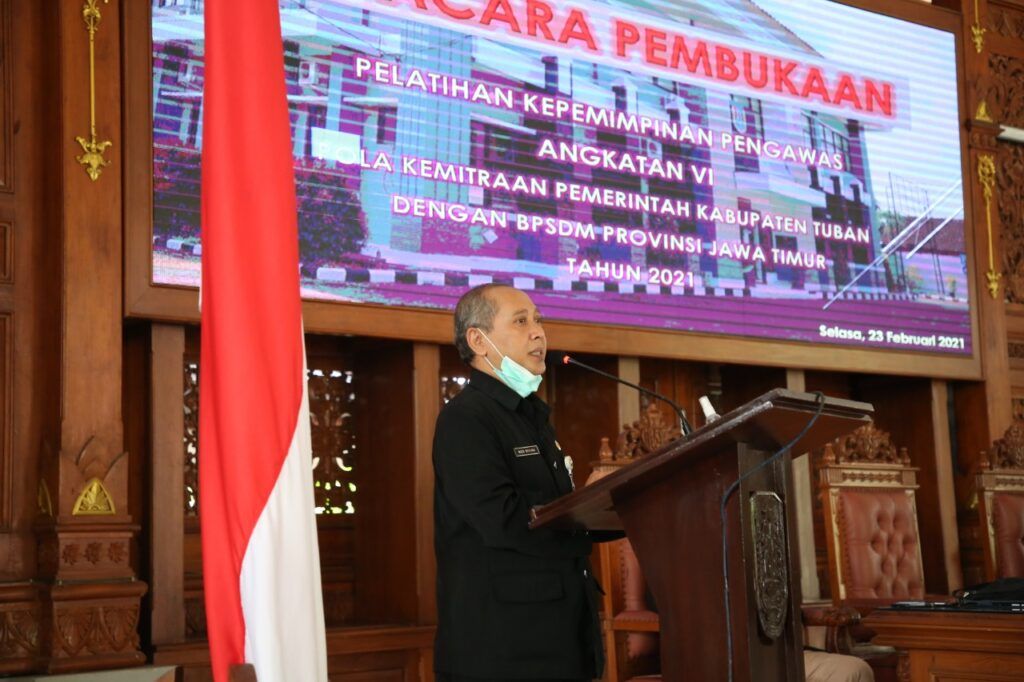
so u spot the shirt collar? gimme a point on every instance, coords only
(505, 396)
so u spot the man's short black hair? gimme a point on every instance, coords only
(474, 309)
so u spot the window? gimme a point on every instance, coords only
(620, 97)
(386, 125)
(550, 74)
(748, 120)
(307, 72)
(747, 116)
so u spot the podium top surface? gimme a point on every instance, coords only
(766, 423)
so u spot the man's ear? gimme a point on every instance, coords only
(476, 341)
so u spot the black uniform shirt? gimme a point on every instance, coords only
(512, 602)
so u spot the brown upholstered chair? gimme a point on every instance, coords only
(868, 494)
(1000, 486)
(874, 550)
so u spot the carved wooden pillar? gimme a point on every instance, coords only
(984, 409)
(90, 601)
(991, 411)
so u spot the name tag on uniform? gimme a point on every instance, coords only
(526, 451)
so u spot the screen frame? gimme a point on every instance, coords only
(145, 299)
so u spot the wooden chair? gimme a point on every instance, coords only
(868, 491)
(629, 622)
(1000, 487)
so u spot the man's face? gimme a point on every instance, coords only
(517, 330)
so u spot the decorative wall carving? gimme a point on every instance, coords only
(1010, 206)
(1006, 89)
(191, 436)
(452, 386)
(195, 617)
(95, 629)
(977, 30)
(94, 500)
(1005, 21)
(70, 554)
(93, 463)
(332, 401)
(93, 148)
(93, 553)
(117, 552)
(19, 633)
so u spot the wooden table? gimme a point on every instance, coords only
(953, 646)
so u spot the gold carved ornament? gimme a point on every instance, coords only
(987, 178)
(982, 112)
(977, 31)
(43, 501)
(92, 156)
(94, 500)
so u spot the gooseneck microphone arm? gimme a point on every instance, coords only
(684, 424)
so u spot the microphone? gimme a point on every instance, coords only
(709, 410)
(684, 424)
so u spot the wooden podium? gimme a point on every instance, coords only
(669, 505)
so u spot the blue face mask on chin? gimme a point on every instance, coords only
(512, 374)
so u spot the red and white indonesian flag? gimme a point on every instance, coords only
(261, 565)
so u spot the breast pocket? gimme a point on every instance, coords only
(529, 587)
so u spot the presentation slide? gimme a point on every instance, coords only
(754, 168)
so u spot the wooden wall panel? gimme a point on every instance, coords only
(742, 383)
(6, 421)
(385, 519)
(6, 97)
(584, 407)
(6, 253)
(166, 533)
(683, 382)
(29, 257)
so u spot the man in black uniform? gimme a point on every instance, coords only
(513, 603)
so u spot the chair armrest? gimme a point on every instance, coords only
(636, 621)
(829, 615)
(837, 621)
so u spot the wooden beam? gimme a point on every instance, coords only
(427, 397)
(167, 520)
(629, 399)
(945, 486)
